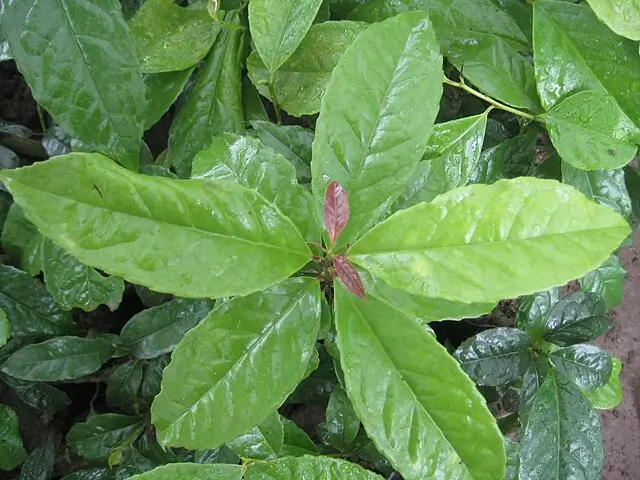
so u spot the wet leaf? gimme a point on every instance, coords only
(5, 328)
(348, 275)
(160, 91)
(341, 424)
(41, 396)
(336, 211)
(607, 281)
(533, 311)
(608, 395)
(12, 453)
(262, 442)
(310, 467)
(124, 385)
(296, 441)
(39, 464)
(192, 471)
(22, 241)
(587, 365)
(100, 434)
(621, 17)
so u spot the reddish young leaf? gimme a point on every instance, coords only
(349, 275)
(336, 211)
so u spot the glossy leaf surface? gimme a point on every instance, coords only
(12, 453)
(29, 307)
(348, 275)
(415, 402)
(213, 104)
(238, 365)
(579, 317)
(296, 441)
(248, 162)
(542, 232)
(341, 424)
(22, 241)
(302, 80)
(621, 17)
(496, 356)
(562, 438)
(533, 310)
(169, 37)
(587, 365)
(608, 395)
(158, 330)
(95, 438)
(310, 467)
(607, 281)
(377, 113)
(5, 328)
(61, 358)
(40, 462)
(160, 91)
(278, 26)
(531, 382)
(41, 396)
(139, 240)
(124, 384)
(262, 442)
(192, 471)
(336, 211)
(591, 132)
(78, 58)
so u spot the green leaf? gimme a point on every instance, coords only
(376, 115)
(591, 132)
(22, 241)
(158, 330)
(533, 311)
(579, 317)
(605, 187)
(124, 384)
(82, 202)
(513, 459)
(341, 423)
(562, 438)
(574, 51)
(296, 441)
(91, 474)
(278, 26)
(192, 471)
(41, 396)
(608, 395)
(100, 434)
(248, 162)
(5, 328)
(160, 91)
(252, 106)
(262, 442)
(415, 402)
(542, 232)
(621, 17)
(309, 467)
(168, 37)
(452, 156)
(79, 60)
(61, 358)
(29, 307)
(218, 370)
(607, 281)
(531, 382)
(301, 81)
(587, 365)
(291, 141)
(213, 104)
(318, 383)
(496, 356)
(74, 285)
(12, 453)
(152, 376)
(39, 464)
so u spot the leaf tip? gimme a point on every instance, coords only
(336, 210)
(349, 276)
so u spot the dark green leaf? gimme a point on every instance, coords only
(608, 395)
(579, 317)
(79, 60)
(41, 396)
(82, 201)
(29, 307)
(5, 328)
(253, 108)
(562, 438)
(495, 357)
(158, 330)
(412, 397)
(170, 38)
(607, 281)
(296, 441)
(218, 370)
(12, 453)
(39, 464)
(160, 91)
(61, 358)
(193, 471)
(130, 462)
(531, 382)
(513, 459)
(291, 141)
(248, 162)
(309, 467)
(587, 365)
(124, 384)
(373, 126)
(22, 241)
(632, 182)
(152, 377)
(218, 455)
(91, 474)
(213, 105)
(341, 423)
(278, 26)
(149, 298)
(533, 311)
(300, 83)
(262, 442)
(318, 385)
(100, 434)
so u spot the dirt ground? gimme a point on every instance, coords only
(622, 425)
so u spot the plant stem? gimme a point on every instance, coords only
(274, 100)
(462, 85)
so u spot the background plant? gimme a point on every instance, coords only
(306, 261)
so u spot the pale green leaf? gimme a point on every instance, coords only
(309, 467)
(5, 328)
(218, 371)
(169, 37)
(376, 116)
(262, 442)
(608, 395)
(79, 61)
(177, 236)
(588, 366)
(296, 441)
(158, 330)
(591, 132)
(160, 91)
(607, 281)
(484, 243)
(301, 81)
(248, 162)
(563, 437)
(574, 51)
(278, 26)
(12, 453)
(100, 434)
(29, 307)
(414, 400)
(213, 104)
(192, 471)
(22, 241)
(623, 17)
(61, 358)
